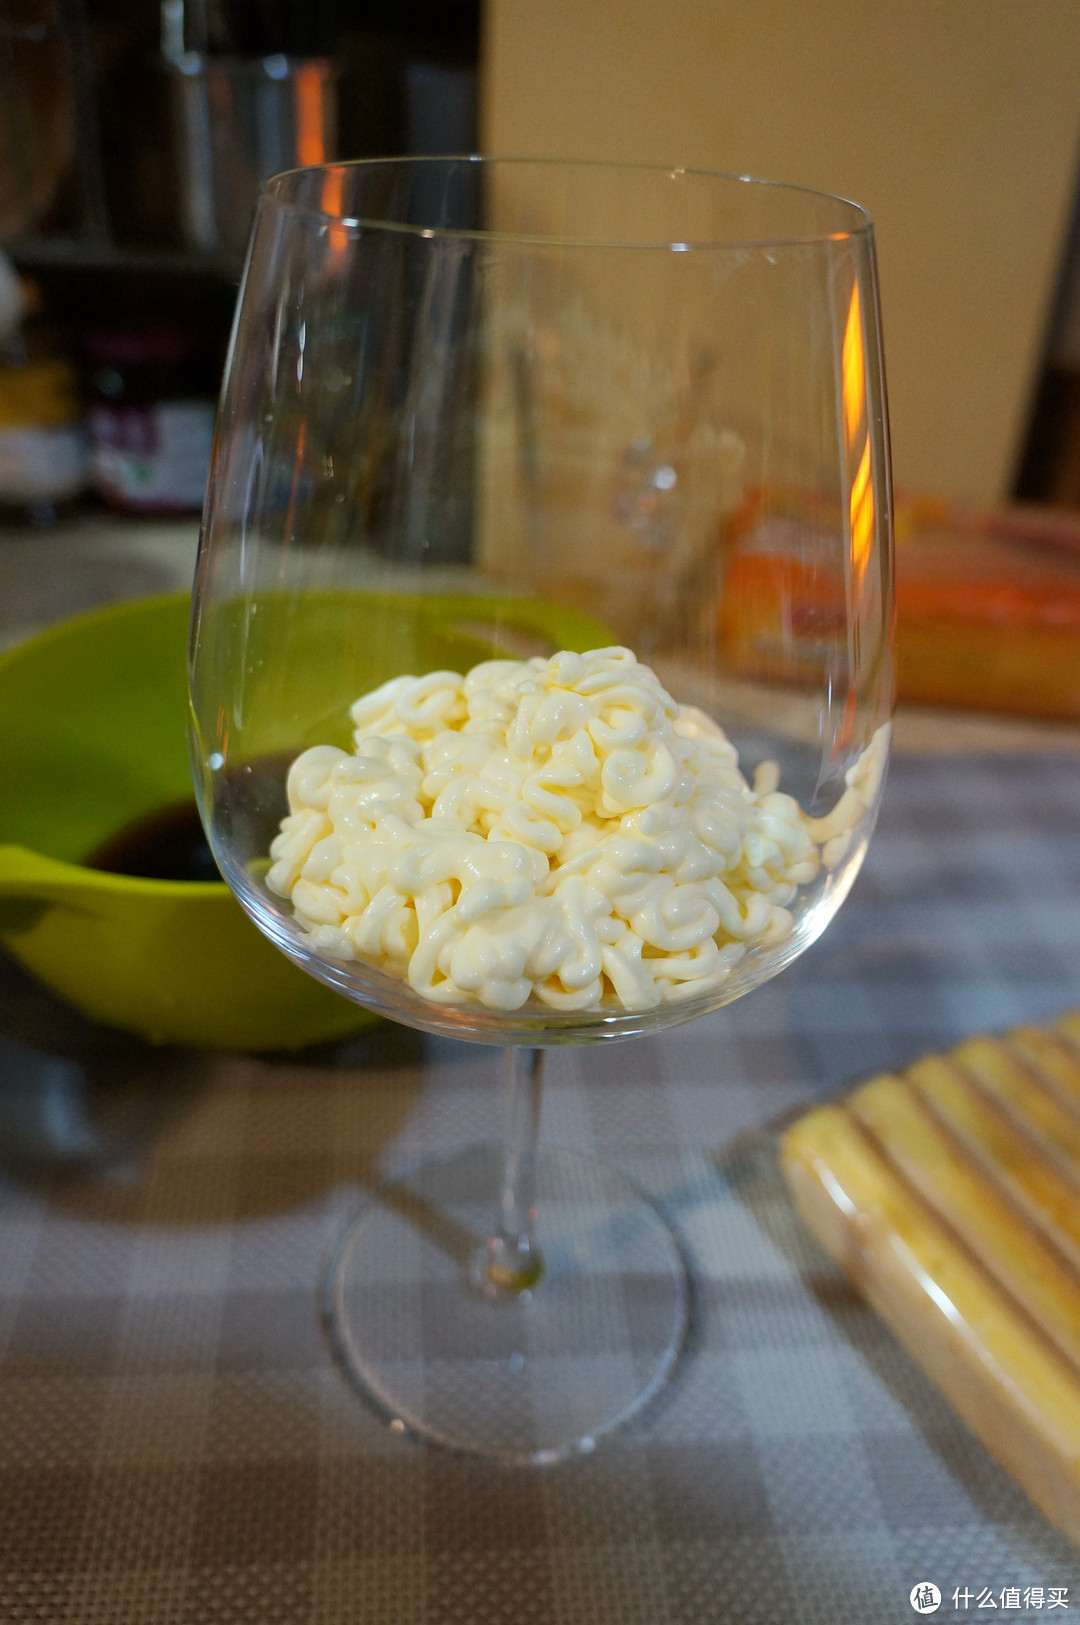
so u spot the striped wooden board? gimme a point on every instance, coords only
(950, 1193)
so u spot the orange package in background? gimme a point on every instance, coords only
(782, 605)
(988, 602)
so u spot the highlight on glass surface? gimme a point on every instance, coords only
(540, 685)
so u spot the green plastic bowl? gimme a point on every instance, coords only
(92, 738)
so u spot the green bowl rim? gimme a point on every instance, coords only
(81, 873)
(101, 612)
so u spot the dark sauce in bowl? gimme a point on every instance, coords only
(167, 844)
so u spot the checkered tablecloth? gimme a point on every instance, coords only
(176, 1444)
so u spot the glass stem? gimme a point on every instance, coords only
(511, 1261)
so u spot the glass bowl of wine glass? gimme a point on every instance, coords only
(540, 685)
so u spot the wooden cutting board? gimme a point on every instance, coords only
(950, 1194)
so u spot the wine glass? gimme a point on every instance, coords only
(481, 411)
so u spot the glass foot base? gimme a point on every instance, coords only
(528, 1375)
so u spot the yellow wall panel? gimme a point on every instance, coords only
(956, 122)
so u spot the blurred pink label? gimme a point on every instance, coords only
(152, 459)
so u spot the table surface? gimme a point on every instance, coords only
(176, 1443)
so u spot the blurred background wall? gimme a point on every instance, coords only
(956, 122)
(134, 133)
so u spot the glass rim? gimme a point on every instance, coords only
(862, 226)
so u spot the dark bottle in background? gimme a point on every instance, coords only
(151, 416)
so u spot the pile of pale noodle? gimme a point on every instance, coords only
(552, 828)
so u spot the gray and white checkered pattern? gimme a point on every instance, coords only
(176, 1444)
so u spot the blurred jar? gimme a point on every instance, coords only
(236, 122)
(44, 456)
(151, 418)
